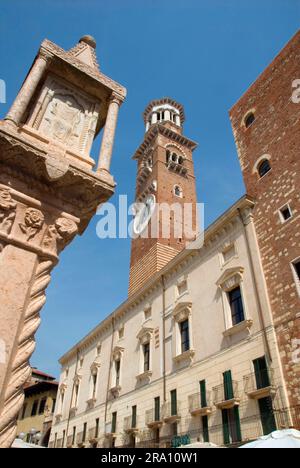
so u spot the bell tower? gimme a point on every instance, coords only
(165, 192)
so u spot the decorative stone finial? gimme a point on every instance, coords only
(89, 40)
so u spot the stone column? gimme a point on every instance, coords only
(109, 134)
(31, 238)
(177, 120)
(167, 115)
(20, 104)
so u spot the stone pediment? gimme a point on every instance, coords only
(145, 334)
(182, 311)
(117, 353)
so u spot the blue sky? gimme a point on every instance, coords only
(203, 53)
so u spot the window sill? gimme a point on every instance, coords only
(245, 325)
(187, 356)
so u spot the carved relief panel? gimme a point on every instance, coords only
(66, 115)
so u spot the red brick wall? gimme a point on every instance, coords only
(276, 132)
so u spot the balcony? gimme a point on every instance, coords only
(226, 399)
(70, 441)
(130, 425)
(80, 439)
(93, 435)
(154, 418)
(260, 384)
(198, 408)
(171, 413)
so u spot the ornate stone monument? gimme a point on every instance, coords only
(49, 191)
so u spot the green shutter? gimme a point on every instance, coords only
(228, 386)
(226, 434)
(205, 429)
(203, 394)
(237, 423)
(133, 425)
(157, 409)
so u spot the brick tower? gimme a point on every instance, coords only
(266, 122)
(165, 176)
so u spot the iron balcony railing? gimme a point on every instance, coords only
(259, 380)
(154, 416)
(222, 394)
(130, 423)
(171, 410)
(198, 402)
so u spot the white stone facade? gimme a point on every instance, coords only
(106, 373)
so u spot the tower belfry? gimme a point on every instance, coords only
(165, 179)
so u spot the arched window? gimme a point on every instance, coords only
(168, 156)
(264, 167)
(178, 191)
(249, 119)
(180, 160)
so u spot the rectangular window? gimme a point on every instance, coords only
(285, 213)
(73, 435)
(42, 406)
(157, 409)
(267, 415)
(63, 439)
(55, 440)
(34, 408)
(261, 373)
(134, 417)
(231, 426)
(203, 394)
(236, 306)
(84, 432)
(174, 403)
(97, 428)
(146, 350)
(185, 336)
(114, 423)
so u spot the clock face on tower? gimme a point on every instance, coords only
(144, 215)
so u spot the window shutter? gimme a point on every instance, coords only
(226, 433)
(228, 387)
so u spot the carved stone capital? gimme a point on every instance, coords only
(33, 223)
(7, 210)
(59, 235)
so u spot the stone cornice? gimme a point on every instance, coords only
(81, 189)
(91, 72)
(157, 129)
(154, 283)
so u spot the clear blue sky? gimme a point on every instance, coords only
(205, 54)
